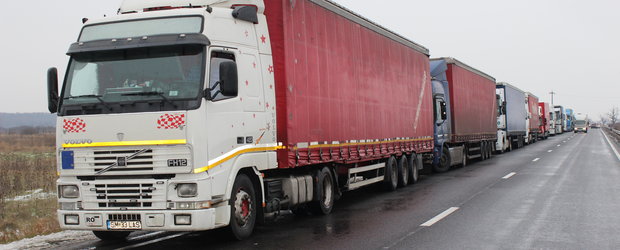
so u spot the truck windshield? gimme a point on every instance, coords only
(134, 80)
(580, 123)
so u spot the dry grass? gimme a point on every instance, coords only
(27, 162)
(25, 219)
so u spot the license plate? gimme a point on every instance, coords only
(124, 225)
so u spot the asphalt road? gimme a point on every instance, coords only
(562, 193)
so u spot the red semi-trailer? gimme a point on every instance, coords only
(466, 97)
(533, 118)
(347, 90)
(545, 120)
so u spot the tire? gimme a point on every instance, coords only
(111, 235)
(483, 151)
(243, 208)
(490, 150)
(325, 192)
(444, 161)
(403, 171)
(464, 163)
(414, 175)
(391, 174)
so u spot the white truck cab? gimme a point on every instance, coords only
(146, 101)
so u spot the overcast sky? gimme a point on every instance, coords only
(571, 47)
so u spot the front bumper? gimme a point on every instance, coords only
(153, 220)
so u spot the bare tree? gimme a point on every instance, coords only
(613, 115)
(603, 120)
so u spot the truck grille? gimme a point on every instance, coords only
(143, 162)
(154, 160)
(125, 195)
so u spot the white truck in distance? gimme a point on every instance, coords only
(581, 123)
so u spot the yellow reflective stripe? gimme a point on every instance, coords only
(125, 143)
(235, 154)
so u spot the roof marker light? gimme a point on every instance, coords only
(84, 20)
(145, 37)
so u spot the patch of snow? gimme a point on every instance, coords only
(50, 241)
(33, 195)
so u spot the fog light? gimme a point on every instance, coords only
(69, 191)
(187, 190)
(183, 219)
(67, 206)
(72, 219)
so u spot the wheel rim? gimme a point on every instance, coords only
(327, 191)
(243, 207)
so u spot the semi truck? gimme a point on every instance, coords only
(532, 120)
(545, 120)
(511, 117)
(202, 114)
(581, 123)
(570, 119)
(560, 119)
(465, 113)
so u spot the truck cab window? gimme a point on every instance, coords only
(217, 58)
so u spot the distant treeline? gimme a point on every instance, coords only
(35, 120)
(27, 130)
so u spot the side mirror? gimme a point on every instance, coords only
(52, 90)
(228, 78)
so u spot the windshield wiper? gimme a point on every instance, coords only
(150, 93)
(105, 104)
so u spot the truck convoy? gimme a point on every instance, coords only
(581, 123)
(511, 117)
(465, 113)
(545, 120)
(202, 114)
(532, 120)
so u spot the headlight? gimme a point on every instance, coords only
(187, 190)
(69, 191)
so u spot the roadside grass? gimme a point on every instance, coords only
(27, 163)
(28, 218)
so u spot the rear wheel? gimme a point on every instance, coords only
(325, 190)
(403, 171)
(391, 174)
(111, 235)
(444, 161)
(413, 169)
(464, 162)
(242, 208)
(483, 150)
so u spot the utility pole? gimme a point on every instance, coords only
(552, 94)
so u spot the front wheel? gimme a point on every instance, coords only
(444, 161)
(111, 235)
(325, 191)
(242, 208)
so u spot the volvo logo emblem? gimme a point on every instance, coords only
(120, 136)
(121, 161)
(79, 141)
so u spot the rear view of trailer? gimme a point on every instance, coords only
(347, 90)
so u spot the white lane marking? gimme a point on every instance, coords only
(439, 217)
(153, 241)
(559, 145)
(535, 160)
(611, 145)
(509, 175)
(549, 151)
(563, 141)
